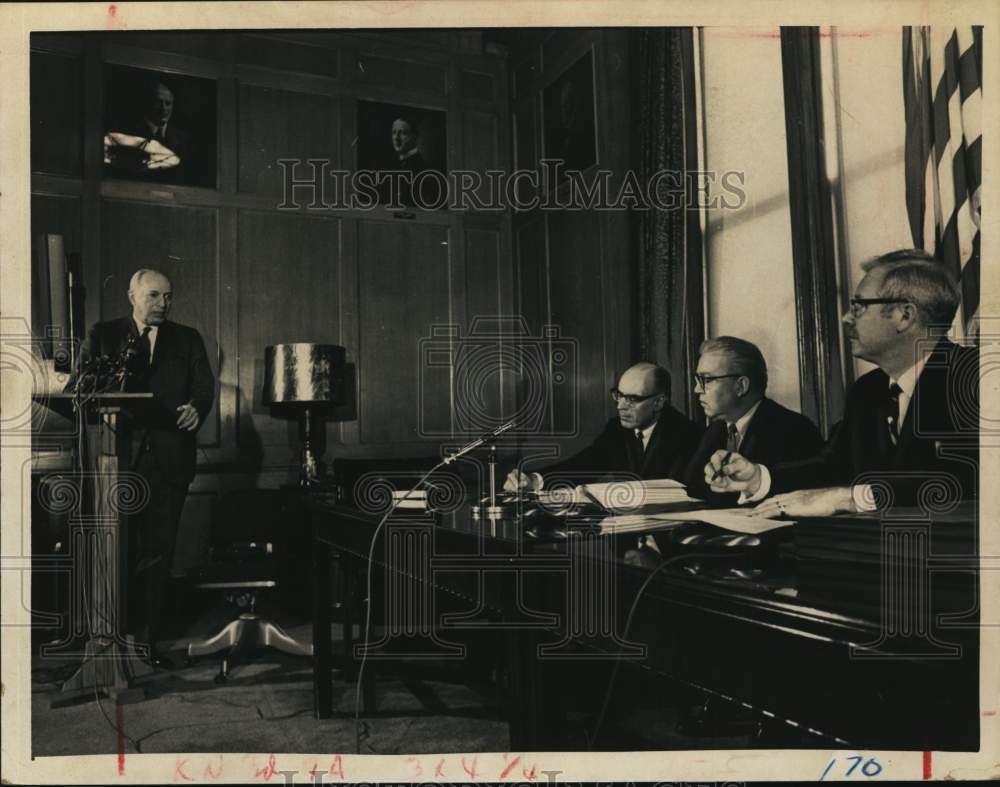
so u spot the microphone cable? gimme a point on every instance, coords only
(592, 738)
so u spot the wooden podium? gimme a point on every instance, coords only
(107, 494)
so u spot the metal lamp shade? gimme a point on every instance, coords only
(303, 373)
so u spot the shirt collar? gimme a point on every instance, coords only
(744, 420)
(139, 325)
(647, 432)
(908, 379)
(407, 154)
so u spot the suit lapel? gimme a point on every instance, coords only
(928, 404)
(754, 428)
(657, 440)
(164, 343)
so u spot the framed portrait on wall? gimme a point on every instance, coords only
(394, 137)
(568, 113)
(159, 127)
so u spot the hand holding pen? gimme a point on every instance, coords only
(728, 471)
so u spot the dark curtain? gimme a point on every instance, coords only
(669, 277)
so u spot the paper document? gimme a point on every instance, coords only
(620, 496)
(736, 520)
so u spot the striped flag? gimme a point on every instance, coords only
(943, 97)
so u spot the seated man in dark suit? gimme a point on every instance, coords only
(648, 439)
(731, 382)
(170, 361)
(913, 419)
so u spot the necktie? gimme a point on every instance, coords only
(732, 438)
(892, 409)
(145, 353)
(638, 440)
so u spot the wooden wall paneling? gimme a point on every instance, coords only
(194, 533)
(482, 379)
(348, 430)
(283, 124)
(209, 45)
(288, 291)
(183, 243)
(120, 50)
(93, 165)
(480, 148)
(227, 108)
(56, 214)
(404, 295)
(228, 380)
(406, 75)
(65, 43)
(577, 298)
(56, 120)
(287, 56)
(477, 87)
(531, 383)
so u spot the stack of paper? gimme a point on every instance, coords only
(620, 496)
(736, 520)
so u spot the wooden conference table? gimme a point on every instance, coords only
(793, 647)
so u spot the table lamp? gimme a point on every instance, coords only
(306, 379)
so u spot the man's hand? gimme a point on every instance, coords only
(735, 474)
(519, 482)
(188, 418)
(808, 502)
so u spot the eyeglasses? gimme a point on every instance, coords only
(630, 399)
(702, 380)
(859, 305)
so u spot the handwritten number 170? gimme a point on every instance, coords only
(870, 767)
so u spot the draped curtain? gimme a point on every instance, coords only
(669, 277)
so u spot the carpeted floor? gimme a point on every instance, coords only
(267, 705)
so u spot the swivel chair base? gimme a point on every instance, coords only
(241, 637)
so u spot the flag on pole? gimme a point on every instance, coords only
(942, 98)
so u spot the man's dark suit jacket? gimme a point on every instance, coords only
(942, 417)
(774, 434)
(180, 373)
(616, 452)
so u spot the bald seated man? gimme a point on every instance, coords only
(647, 439)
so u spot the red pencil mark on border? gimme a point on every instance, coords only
(472, 772)
(212, 773)
(927, 766)
(439, 768)
(337, 767)
(269, 770)
(989, 713)
(510, 766)
(179, 771)
(120, 719)
(112, 10)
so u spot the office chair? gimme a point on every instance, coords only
(245, 562)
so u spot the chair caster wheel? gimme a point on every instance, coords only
(220, 678)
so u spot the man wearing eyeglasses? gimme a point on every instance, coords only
(731, 382)
(648, 438)
(911, 421)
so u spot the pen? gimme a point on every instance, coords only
(725, 459)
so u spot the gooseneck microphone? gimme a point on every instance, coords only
(486, 438)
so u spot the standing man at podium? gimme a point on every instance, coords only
(168, 360)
